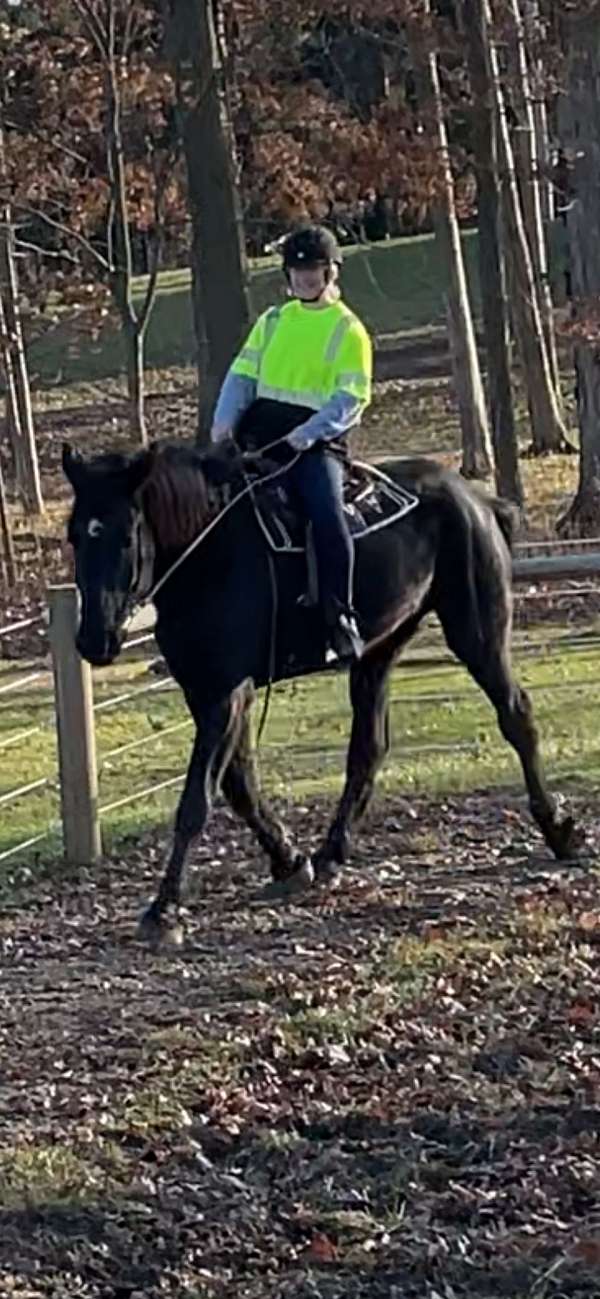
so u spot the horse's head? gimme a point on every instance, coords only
(106, 533)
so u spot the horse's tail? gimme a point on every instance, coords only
(482, 531)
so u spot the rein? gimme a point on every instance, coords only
(205, 532)
(145, 565)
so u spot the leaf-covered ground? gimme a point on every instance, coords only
(390, 1090)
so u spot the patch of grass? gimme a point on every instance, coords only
(433, 710)
(153, 1110)
(433, 954)
(327, 1025)
(395, 287)
(31, 1175)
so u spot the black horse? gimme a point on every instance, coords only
(225, 626)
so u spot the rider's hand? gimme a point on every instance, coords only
(300, 439)
(220, 433)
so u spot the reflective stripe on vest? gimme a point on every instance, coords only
(353, 378)
(250, 354)
(271, 323)
(337, 338)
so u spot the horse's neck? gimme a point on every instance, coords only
(225, 552)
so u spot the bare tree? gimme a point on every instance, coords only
(548, 430)
(582, 124)
(194, 46)
(19, 408)
(112, 41)
(9, 564)
(492, 270)
(476, 443)
(533, 185)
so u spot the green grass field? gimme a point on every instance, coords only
(434, 709)
(396, 287)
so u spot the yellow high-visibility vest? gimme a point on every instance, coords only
(303, 356)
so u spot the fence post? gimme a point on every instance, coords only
(76, 735)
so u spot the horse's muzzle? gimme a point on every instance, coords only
(99, 652)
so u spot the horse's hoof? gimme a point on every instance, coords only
(301, 879)
(567, 840)
(160, 931)
(327, 873)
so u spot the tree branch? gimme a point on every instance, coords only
(62, 255)
(65, 230)
(94, 27)
(40, 135)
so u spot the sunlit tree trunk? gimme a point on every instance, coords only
(532, 185)
(548, 430)
(20, 423)
(582, 120)
(476, 442)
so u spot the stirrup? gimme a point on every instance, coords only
(346, 644)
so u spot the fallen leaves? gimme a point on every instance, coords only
(397, 1094)
(322, 1249)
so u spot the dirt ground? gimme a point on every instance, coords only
(390, 1090)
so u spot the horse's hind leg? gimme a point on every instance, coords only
(369, 743)
(490, 666)
(239, 782)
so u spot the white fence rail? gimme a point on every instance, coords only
(74, 713)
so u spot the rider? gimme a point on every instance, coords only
(304, 375)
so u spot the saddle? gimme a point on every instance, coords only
(371, 501)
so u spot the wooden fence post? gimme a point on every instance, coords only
(76, 735)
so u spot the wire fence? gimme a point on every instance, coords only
(40, 679)
(551, 598)
(21, 625)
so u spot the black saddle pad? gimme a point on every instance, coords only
(371, 501)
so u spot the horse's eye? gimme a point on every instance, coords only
(94, 528)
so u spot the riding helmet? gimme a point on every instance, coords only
(310, 246)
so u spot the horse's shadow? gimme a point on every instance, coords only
(106, 1245)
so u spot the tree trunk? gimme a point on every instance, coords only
(119, 241)
(136, 388)
(532, 184)
(476, 442)
(536, 28)
(222, 309)
(582, 118)
(21, 426)
(492, 271)
(7, 537)
(548, 431)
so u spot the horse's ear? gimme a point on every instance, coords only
(138, 472)
(73, 464)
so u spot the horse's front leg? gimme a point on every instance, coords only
(241, 789)
(369, 743)
(214, 733)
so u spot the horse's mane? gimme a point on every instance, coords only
(184, 491)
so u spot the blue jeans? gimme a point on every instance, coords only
(316, 487)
